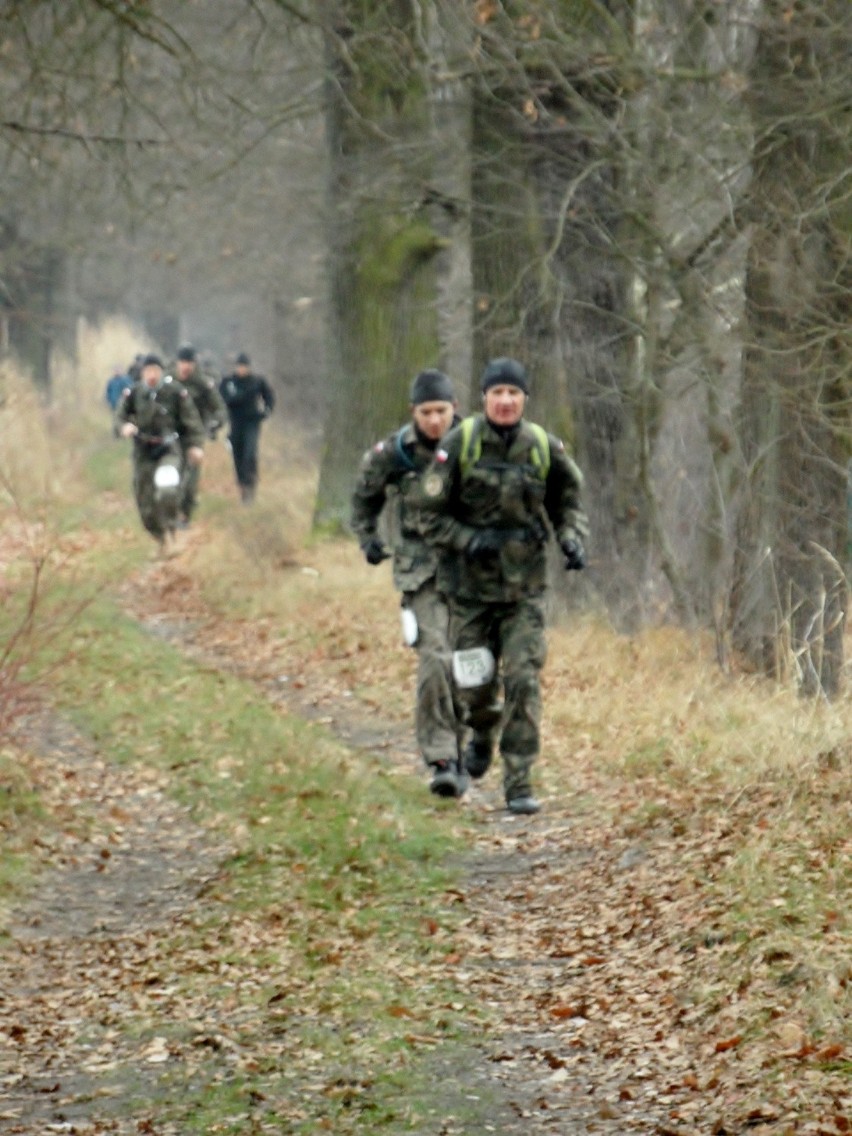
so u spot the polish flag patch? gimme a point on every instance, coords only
(441, 456)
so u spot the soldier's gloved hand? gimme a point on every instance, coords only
(575, 554)
(484, 543)
(374, 551)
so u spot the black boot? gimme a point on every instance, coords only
(477, 756)
(447, 779)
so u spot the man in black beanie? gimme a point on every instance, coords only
(249, 399)
(391, 470)
(159, 415)
(204, 392)
(497, 489)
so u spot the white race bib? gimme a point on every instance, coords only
(167, 477)
(473, 667)
(410, 630)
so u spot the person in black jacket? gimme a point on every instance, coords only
(249, 399)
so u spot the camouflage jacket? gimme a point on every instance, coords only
(159, 413)
(208, 402)
(390, 472)
(503, 483)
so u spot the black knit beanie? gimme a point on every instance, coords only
(431, 386)
(505, 372)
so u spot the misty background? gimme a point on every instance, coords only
(647, 203)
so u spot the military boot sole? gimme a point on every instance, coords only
(523, 806)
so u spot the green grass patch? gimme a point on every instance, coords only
(23, 819)
(325, 930)
(108, 467)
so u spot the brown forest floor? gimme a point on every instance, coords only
(588, 936)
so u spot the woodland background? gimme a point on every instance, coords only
(647, 202)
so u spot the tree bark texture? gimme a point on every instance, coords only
(384, 250)
(790, 594)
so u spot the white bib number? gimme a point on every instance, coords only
(410, 630)
(167, 477)
(473, 667)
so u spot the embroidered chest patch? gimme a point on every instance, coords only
(433, 485)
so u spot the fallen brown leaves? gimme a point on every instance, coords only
(598, 935)
(600, 939)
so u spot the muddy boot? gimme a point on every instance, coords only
(477, 756)
(447, 779)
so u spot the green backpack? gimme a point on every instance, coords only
(471, 450)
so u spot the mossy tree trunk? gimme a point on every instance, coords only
(386, 253)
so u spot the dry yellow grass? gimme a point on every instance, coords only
(30, 468)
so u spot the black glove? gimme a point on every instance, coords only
(575, 555)
(485, 543)
(374, 551)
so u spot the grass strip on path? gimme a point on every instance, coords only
(323, 940)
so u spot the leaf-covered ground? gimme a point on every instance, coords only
(600, 938)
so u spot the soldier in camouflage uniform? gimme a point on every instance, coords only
(392, 468)
(212, 411)
(160, 417)
(496, 486)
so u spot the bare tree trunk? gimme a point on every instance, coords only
(382, 247)
(514, 293)
(447, 36)
(790, 593)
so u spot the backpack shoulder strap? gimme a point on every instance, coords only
(402, 455)
(471, 447)
(541, 450)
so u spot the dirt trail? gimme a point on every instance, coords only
(579, 936)
(574, 935)
(79, 954)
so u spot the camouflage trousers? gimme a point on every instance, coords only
(514, 633)
(436, 722)
(158, 508)
(189, 486)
